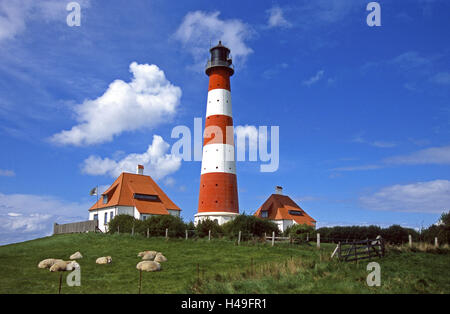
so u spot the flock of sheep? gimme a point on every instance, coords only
(150, 262)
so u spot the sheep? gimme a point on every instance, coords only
(64, 266)
(143, 253)
(76, 255)
(148, 266)
(47, 263)
(150, 256)
(104, 260)
(160, 258)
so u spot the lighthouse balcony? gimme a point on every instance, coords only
(219, 63)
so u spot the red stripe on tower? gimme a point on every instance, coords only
(218, 197)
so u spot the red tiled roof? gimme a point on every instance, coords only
(121, 193)
(278, 207)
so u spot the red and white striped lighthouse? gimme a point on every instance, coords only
(218, 198)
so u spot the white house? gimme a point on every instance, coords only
(283, 211)
(131, 194)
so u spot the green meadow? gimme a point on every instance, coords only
(216, 266)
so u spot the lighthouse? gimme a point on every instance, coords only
(218, 197)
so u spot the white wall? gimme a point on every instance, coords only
(101, 216)
(283, 224)
(120, 210)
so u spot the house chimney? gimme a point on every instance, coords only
(279, 190)
(140, 169)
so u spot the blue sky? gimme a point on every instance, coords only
(363, 112)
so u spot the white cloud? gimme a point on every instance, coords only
(200, 29)
(358, 168)
(15, 14)
(145, 102)
(169, 181)
(314, 79)
(155, 160)
(7, 173)
(424, 197)
(442, 78)
(276, 18)
(24, 216)
(429, 156)
(433, 155)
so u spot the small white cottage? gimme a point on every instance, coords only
(131, 194)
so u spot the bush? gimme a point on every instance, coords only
(249, 225)
(299, 231)
(125, 224)
(441, 230)
(204, 226)
(157, 226)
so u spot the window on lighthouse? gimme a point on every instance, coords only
(264, 214)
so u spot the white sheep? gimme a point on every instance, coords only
(49, 262)
(148, 266)
(160, 258)
(76, 255)
(104, 260)
(64, 266)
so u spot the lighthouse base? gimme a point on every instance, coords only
(220, 217)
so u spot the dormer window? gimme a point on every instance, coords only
(296, 212)
(105, 198)
(264, 214)
(145, 197)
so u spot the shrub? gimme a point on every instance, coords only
(157, 226)
(249, 225)
(397, 234)
(441, 230)
(125, 224)
(299, 231)
(204, 226)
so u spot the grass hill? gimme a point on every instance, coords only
(219, 266)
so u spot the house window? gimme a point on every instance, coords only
(264, 214)
(106, 218)
(96, 217)
(105, 198)
(296, 212)
(111, 215)
(145, 197)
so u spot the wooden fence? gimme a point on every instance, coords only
(76, 227)
(359, 250)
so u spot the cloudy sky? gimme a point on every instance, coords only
(363, 112)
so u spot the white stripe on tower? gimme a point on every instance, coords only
(219, 102)
(218, 158)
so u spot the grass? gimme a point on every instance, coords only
(224, 267)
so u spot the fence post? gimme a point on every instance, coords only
(148, 233)
(167, 233)
(436, 244)
(318, 240)
(186, 234)
(239, 238)
(339, 250)
(307, 237)
(118, 229)
(273, 238)
(410, 240)
(132, 230)
(209, 235)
